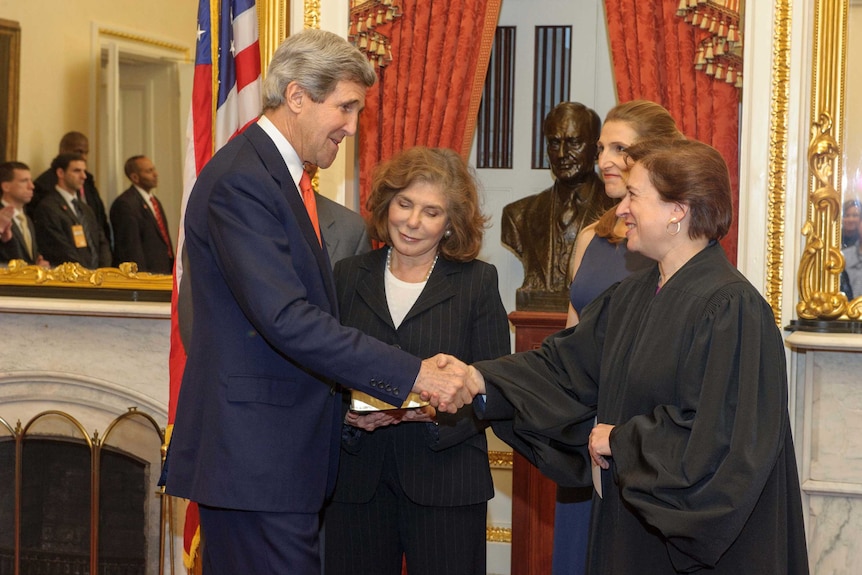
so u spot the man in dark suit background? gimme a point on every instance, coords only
(141, 232)
(344, 231)
(258, 425)
(66, 228)
(18, 241)
(73, 143)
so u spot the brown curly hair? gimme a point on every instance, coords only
(440, 167)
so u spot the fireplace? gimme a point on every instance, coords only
(79, 505)
(84, 387)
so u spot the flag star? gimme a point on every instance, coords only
(232, 51)
(200, 32)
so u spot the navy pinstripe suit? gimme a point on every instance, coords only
(434, 466)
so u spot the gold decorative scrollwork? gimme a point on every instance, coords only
(75, 275)
(777, 180)
(821, 264)
(500, 459)
(498, 534)
(311, 14)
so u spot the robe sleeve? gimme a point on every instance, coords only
(489, 339)
(543, 402)
(695, 470)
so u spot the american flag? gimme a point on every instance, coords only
(227, 65)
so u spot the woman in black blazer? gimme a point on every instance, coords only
(412, 483)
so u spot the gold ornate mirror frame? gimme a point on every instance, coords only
(820, 298)
(125, 282)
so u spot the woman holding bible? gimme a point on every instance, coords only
(413, 484)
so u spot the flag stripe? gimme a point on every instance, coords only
(246, 72)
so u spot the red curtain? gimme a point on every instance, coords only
(653, 54)
(430, 93)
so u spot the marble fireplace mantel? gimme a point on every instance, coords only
(826, 404)
(93, 360)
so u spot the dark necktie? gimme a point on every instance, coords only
(21, 221)
(163, 228)
(76, 203)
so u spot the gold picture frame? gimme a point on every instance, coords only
(822, 305)
(10, 71)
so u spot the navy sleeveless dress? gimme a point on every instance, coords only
(604, 264)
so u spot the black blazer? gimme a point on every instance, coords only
(54, 220)
(136, 234)
(15, 248)
(47, 182)
(343, 230)
(460, 313)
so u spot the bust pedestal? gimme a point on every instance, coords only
(533, 494)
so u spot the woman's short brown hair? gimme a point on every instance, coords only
(691, 173)
(440, 167)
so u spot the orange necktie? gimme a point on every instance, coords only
(310, 202)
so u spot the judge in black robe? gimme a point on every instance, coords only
(683, 368)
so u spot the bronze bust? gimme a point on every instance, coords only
(541, 229)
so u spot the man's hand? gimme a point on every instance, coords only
(6, 215)
(444, 382)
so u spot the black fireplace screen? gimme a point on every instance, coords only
(75, 505)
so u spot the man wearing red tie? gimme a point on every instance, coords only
(258, 424)
(140, 228)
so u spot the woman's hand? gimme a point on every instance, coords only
(426, 414)
(370, 421)
(600, 444)
(374, 419)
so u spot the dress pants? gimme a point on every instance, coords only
(370, 538)
(259, 543)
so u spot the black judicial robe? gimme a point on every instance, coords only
(703, 475)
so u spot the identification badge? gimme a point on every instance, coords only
(79, 236)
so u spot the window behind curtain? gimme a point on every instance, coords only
(496, 113)
(552, 71)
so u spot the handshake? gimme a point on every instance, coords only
(447, 383)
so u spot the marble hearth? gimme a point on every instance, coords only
(94, 361)
(827, 406)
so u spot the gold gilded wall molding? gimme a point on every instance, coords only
(500, 459)
(777, 168)
(821, 263)
(498, 534)
(141, 39)
(73, 275)
(273, 19)
(311, 14)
